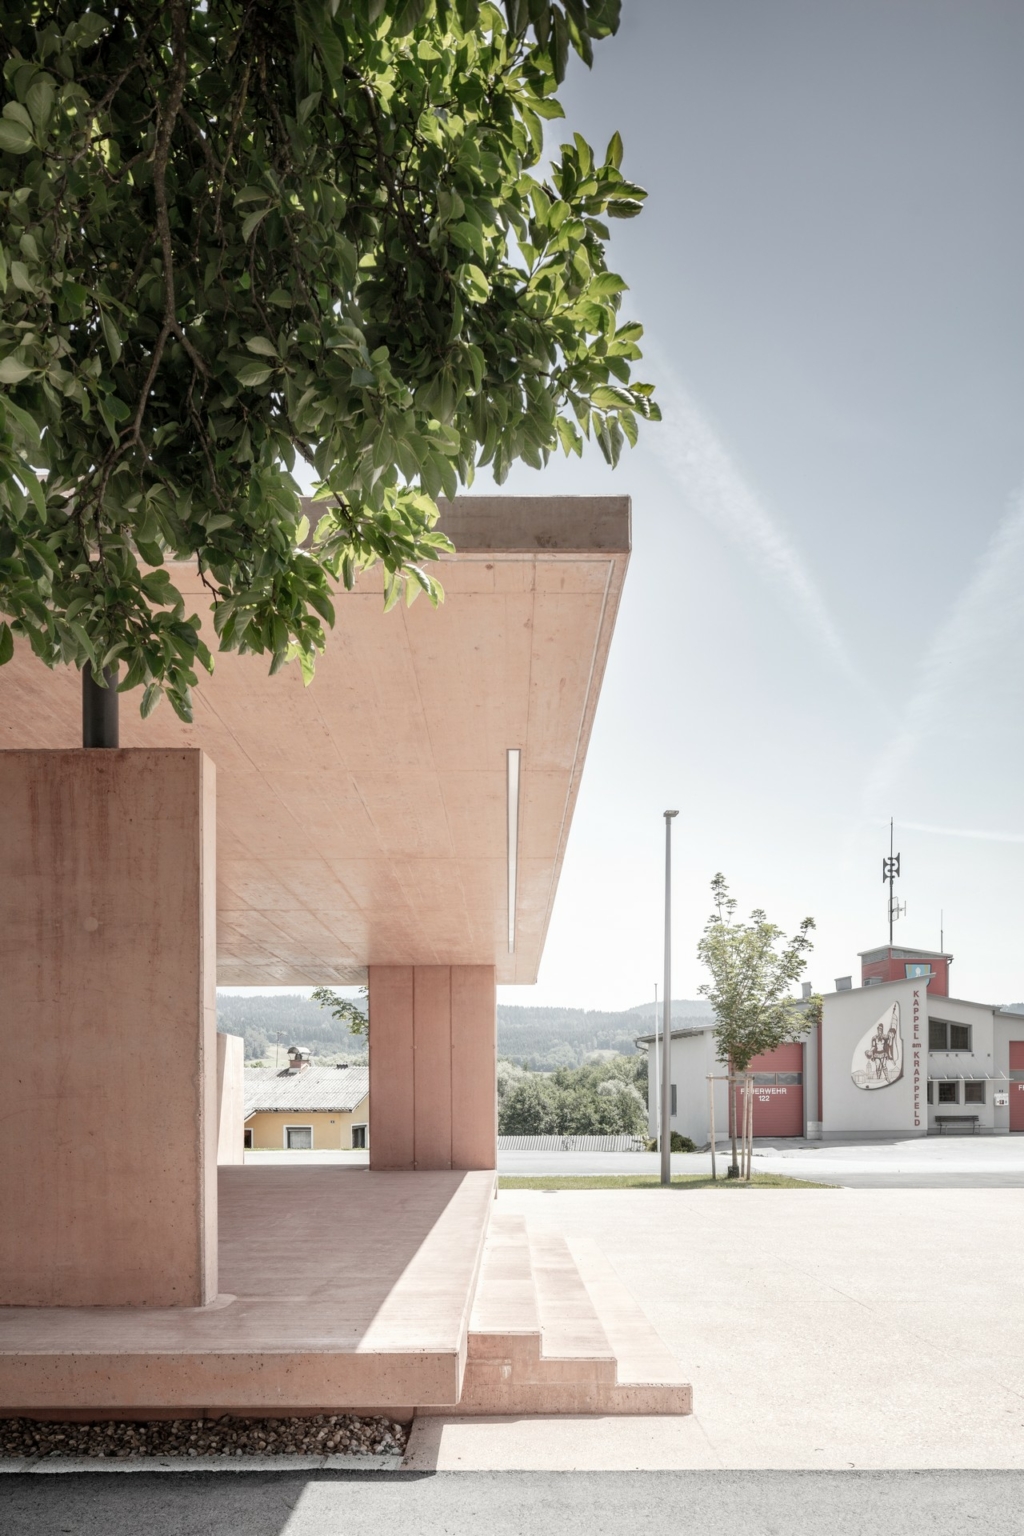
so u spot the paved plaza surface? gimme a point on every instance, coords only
(516, 1504)
(857, 1358)
(821, 1328)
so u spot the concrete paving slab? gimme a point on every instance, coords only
(343, 1287)
(562, 1443)
(819, 1328)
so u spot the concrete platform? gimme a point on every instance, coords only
(340, 1288)
(554, 1331)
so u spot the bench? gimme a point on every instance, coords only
(942, 1121)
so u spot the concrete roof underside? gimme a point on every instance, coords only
(363, 820)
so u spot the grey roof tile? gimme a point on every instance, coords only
(325, 1088)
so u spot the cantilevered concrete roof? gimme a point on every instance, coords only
(363, 820)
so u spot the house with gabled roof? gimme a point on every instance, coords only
(307, 1108)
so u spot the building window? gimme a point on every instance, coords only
(298, 1138)
(247, 1137)
(672, 1111)
(929, 1095)
(917, 970)
(974, 1093)
(944, 1036)
(359, 1136)
(784, 1079)
(949, 1093)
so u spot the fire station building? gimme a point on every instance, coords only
(896, 1056)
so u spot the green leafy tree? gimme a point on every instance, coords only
(751, 982)
(601, 1099)
(354, 1015)
(253, 240)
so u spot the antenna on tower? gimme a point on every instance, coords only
(942, 932)
(890, 873)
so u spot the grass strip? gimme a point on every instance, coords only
(652, 1181)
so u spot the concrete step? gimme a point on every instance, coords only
(554, 1330)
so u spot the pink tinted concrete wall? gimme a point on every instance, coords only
(108, 1140)
(433, 1064)
(230, 1099)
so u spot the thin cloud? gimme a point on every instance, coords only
(714, 488)
(965, 653)
(970, 832)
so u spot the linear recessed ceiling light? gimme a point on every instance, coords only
(514, 756)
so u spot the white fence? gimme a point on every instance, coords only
(572, 1144)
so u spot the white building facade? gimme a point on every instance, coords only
(893, 1058)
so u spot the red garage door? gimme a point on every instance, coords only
(779, 1092)
(1017, 1085)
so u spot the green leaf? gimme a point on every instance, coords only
(150, 700)
(613, 154)
(252, 374)
(252, 222)
(111, 337)
(6, 644)
(261, 345)
(12, 372)
(15, 138)
(607, 398)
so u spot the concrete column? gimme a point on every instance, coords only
(433, 1066)
(108, 1140)
(230, 1099)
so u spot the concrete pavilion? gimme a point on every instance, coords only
(403, 820)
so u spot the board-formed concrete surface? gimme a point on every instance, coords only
(516, 1503)
(364, 819)
(819, 1328)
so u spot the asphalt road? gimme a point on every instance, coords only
(932, 1162)
(515, 1504)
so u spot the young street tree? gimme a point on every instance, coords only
(751, 984)
(253, 240)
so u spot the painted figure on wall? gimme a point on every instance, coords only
(878, 1055)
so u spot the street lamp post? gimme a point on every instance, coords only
(666, 1016)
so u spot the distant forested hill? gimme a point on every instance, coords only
(540, 1038)
(284, 1020)
(546, 1038)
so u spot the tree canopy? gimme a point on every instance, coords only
(256, 240)
(346, 1011)
(597, 1099)
(751, 979)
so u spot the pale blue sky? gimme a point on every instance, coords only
(822, 623)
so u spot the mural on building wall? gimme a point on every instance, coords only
(878, 1055)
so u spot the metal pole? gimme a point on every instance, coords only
(99, 708)
(657, 1071)
(666, 1015)
(711, 1119)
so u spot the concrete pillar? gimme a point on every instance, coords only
(230, 1099)
(433, 1066)
(108, 1139)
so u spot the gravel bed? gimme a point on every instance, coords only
(339, 1434)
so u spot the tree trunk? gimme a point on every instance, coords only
(734, 1166)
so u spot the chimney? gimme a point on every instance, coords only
(298, 1058)
(805, 989)
(844, 983)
